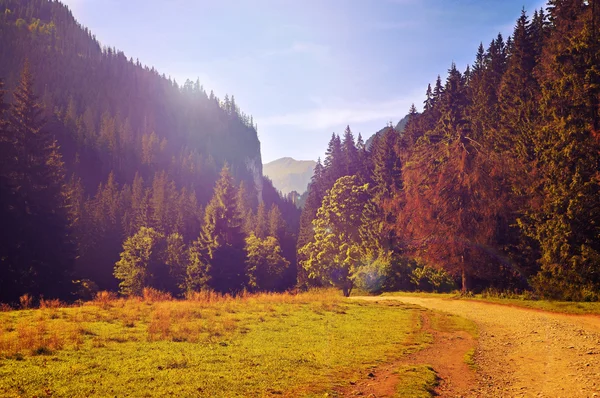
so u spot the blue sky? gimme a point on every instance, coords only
(304, 68)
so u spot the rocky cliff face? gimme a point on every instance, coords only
(255, 167)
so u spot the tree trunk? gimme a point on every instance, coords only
(464, 281)
(347, 288)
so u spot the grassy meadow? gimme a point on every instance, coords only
(308, 344)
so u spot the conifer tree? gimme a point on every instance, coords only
(217, 259)
(261, 221)
(451, 205)
(517, 95)
(334, 161)
(350, 153)
(38, 181)
(564, 218)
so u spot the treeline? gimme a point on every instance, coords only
(108, 146)
(59, 242)
(496, 183)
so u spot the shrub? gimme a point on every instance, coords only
(152, 295)
(105, 299)
(26, 301)
(55, 303)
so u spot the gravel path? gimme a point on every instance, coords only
(528, 353)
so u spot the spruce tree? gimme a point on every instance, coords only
(41, 215)
(565, 214)
(350, 153)
(218, 257)
(334, 161)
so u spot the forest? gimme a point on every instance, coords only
(114, 177)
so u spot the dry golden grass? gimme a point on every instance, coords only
(155, 316)
(248, 345)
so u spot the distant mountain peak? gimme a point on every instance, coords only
(289, 174)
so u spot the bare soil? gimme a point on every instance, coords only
(520, 352)
(445, 355)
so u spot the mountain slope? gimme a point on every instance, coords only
(113, 114)
(139, 150)
(289, 174)
(399, 128)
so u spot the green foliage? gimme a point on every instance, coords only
(217, 258)
(266, 265)
(140, 257)
(429, 279)
(335, 254)
(36, 250)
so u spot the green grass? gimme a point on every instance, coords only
(445, 322)
(470, 359)
(416, 382)
(266, 345)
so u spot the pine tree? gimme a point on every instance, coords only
(261, 221)
(217, 259)
(565, 215)
(387, 166)
(517, 95)
(245, 201)
(41, 215)
(276, 223)
(334, 161)
(350, 153)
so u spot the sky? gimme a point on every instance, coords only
(305, 68)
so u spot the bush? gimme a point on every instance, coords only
(105, 299)
(152, 295)
(55, 303)
(26, 301)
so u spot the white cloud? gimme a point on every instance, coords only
(326, 117)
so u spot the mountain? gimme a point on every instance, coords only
(289, 174)
(399, 128)
(123, 146)
(110, 113)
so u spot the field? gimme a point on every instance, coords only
(281, 344)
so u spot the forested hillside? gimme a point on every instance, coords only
(496, 184)
(113, 176)
(98, 148)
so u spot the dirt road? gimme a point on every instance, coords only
(527, 353)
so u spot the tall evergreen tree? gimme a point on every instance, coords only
(334, 161)
(40, 213)
(218, 260)
(565, 216)
(350, 153)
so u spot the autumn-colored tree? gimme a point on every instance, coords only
(451, 202)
